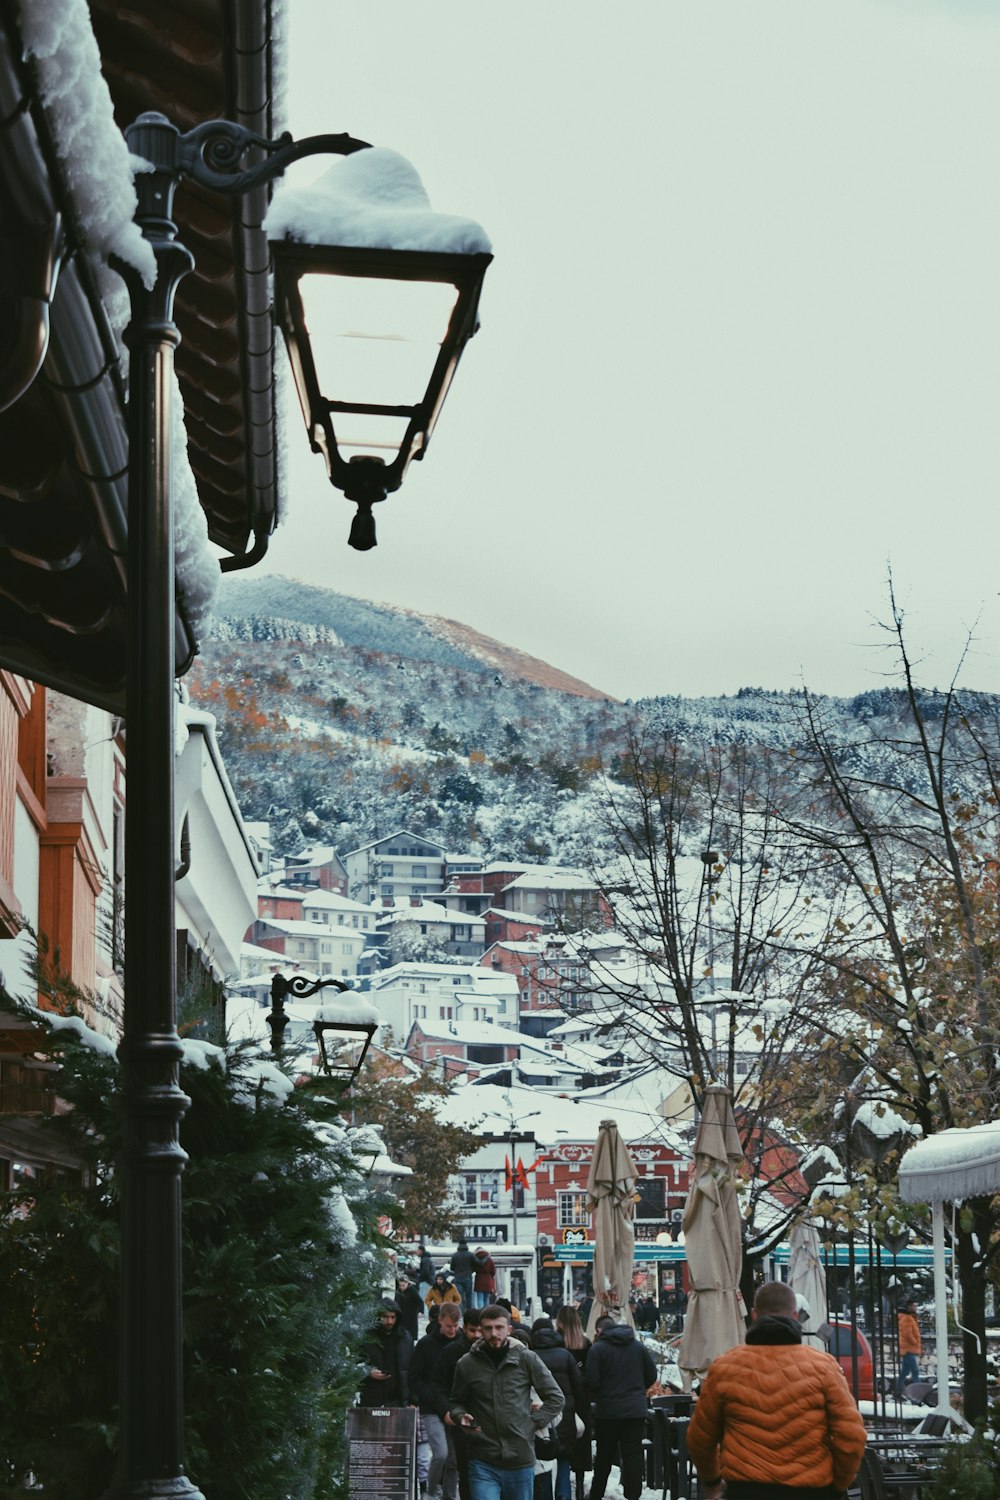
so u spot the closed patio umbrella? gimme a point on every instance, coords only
(807, 1277)
(712, 1240)
(611, 1200)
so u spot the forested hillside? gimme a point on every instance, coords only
(340, 720)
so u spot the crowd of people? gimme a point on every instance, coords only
(497, 1401)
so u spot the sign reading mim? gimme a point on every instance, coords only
(488, 1234)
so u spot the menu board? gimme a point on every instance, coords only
(382, 1452)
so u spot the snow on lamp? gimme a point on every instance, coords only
(377, 296)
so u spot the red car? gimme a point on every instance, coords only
(839, 1345)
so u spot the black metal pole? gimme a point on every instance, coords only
(852, 1290)
(151, 1460)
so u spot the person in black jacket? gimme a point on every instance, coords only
(387, 1352)
(463, 1270)
(619, 1371)
(551, 1350)
(411, 1305)
(449, 1363)
(430, 1389)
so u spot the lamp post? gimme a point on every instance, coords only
(301, 988)
(151, 1465)
(709, 859)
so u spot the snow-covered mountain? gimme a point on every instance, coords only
(342, 719)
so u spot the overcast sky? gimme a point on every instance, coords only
(740, 345)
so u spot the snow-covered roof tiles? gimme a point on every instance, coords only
(430, 911)
(551, 880)
(333, 901)
(550, 1118)
(400, 833)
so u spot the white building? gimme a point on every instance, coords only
(409, 992)
(394, 868)
(457, 933)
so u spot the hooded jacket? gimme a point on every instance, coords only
(442, 1291)
(463, 1262)
(774, 1412)
(909, 1334)
(618, 1373)
(390, 1350)
(485, 1272)
(498, 1397)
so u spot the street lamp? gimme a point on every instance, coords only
(420, 306)
(151, 1465)
(301, 988)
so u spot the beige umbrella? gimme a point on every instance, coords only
(807, 1278)
(715, 1319)
(611, 1200)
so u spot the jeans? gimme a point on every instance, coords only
(490, 1483)
(464, 1287)
(482, 1299)
(442, 1476)
(564, 1479)
(909, 1371)
(621, 1440)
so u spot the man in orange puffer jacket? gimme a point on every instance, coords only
(775, 1419)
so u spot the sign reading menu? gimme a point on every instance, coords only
(382, 1452)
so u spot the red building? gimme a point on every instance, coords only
(561, 1202)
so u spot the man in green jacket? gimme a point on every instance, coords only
(491, 1397)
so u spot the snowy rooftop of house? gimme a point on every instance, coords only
(253, 950)
(470, 976)
(551, 880)
(470, 1033)
(525, 919)
(292, 928)
(333, 901)
(429, 911)
(307, 859)
(952, 1165)
(267, 885)
(551, 1119)
(400, 833)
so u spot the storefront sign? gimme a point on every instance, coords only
(574, 1237)
(382, 1453)
(495, 1234)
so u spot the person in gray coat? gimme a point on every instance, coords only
(491, 1397)
(618, 1373)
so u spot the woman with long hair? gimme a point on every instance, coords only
(569, 1326)
(575, 1341)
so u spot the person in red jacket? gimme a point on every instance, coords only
(775, 1417)
(484, 1280)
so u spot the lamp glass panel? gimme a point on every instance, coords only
(360, 432)
(375, 341)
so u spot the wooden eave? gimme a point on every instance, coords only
(63, 445)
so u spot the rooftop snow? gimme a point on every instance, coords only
(373, 199)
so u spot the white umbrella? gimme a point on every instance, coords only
(715, 1319)
(611, 1200)
(807, 1278)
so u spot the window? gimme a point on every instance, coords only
(388, 869)
(354, 921)
(573, 1211)
(347, 948)
(419, 872)
(326, 947)
(340, 919)
(652, 1202)
(480, 1190)
(364, 924)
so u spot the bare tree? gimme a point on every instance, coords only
(903, 824)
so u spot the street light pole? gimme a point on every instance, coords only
(151, 1462)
